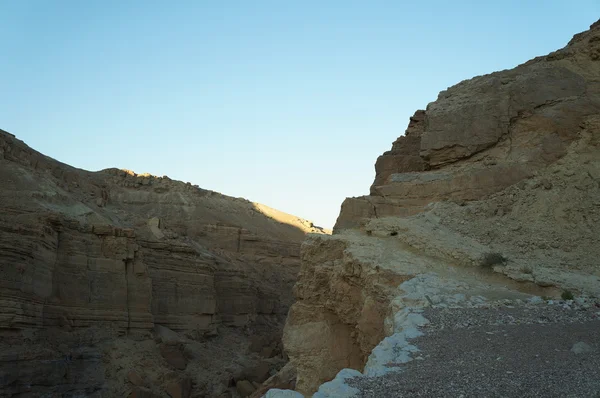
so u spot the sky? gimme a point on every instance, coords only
(286, 103)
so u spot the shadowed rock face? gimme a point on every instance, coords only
(117, 253)
(485, 134)
(404, 156)
(506, 164)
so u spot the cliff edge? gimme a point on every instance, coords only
(114, 283)
(489, 199)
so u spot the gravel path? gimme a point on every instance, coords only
(499, 352)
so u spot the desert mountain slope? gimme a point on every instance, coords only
(86, 257)
(490, 199)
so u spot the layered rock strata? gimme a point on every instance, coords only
(492, 193)
(117, 253)
(485, 134)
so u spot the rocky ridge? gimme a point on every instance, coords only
(92, 263)
(489, 200)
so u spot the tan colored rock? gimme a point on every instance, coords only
(154, 226)
(78, 254)
(485, 134)
(339, 314)
(505, 164)
(405, 153)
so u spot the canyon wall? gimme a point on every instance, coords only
(89, 258)
(495, 183)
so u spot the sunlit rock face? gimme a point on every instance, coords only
(485, 134)
(507, 165)
(112, 253)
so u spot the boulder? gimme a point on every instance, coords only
(244, 388)
(166, 335)
(181, 388)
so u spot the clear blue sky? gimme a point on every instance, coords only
(287, 103)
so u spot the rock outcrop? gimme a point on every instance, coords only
(492, 194)
(486, 134)
(94, 261)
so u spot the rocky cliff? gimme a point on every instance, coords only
(491, 194)
(486, 134)
(91, 264)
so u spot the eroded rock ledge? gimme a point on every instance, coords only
(490, 197)
(485, 134)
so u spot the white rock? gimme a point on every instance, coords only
(393, 349)
(581, 348)
(406, 319)
(535, 300)
(337, 388)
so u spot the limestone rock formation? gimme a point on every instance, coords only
(485, 134)
(493, 192)
(92, 262)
